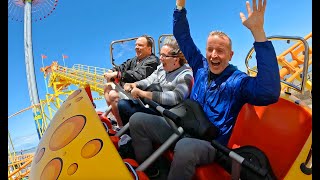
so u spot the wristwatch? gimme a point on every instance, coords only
(179, 7)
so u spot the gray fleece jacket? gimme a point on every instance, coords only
(176, 85)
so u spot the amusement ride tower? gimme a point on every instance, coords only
(31, 10)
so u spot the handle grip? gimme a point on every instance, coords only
(258, 170)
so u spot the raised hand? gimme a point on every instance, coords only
(181, 3)
(255, 19)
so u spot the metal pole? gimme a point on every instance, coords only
(32, 84)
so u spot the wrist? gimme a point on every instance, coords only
(179, 7)
(259, 35)
(180, 4)
(140, 93)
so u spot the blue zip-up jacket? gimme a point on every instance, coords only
(223, 98)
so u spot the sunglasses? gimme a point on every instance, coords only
(167, 56)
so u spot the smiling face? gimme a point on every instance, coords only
(168, 61)
(142, 48)
(218, 53)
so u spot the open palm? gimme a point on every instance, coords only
(255, 19)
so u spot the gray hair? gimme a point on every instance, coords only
(172, 42)
(222, 35)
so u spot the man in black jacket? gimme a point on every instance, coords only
(134, 69)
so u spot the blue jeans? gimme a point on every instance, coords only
(128, 107)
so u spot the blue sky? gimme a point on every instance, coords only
(83, 30)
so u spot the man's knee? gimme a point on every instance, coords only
(184, 150)
(136, 120)
(114, 96)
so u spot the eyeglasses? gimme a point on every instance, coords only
(167, 56)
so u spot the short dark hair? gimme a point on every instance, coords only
(149, 40)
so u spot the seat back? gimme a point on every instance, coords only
(280, 130)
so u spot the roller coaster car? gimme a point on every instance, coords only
(281, 130)
(76, 145)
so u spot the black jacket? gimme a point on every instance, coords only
(131, 71)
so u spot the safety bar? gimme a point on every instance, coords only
(171, 118)
(305, 63)
(173, 138)
(260, 171)
(160, 40)
(124, 40)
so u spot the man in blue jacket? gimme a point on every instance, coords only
(219, 87)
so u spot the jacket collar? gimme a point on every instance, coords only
(224, 75)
